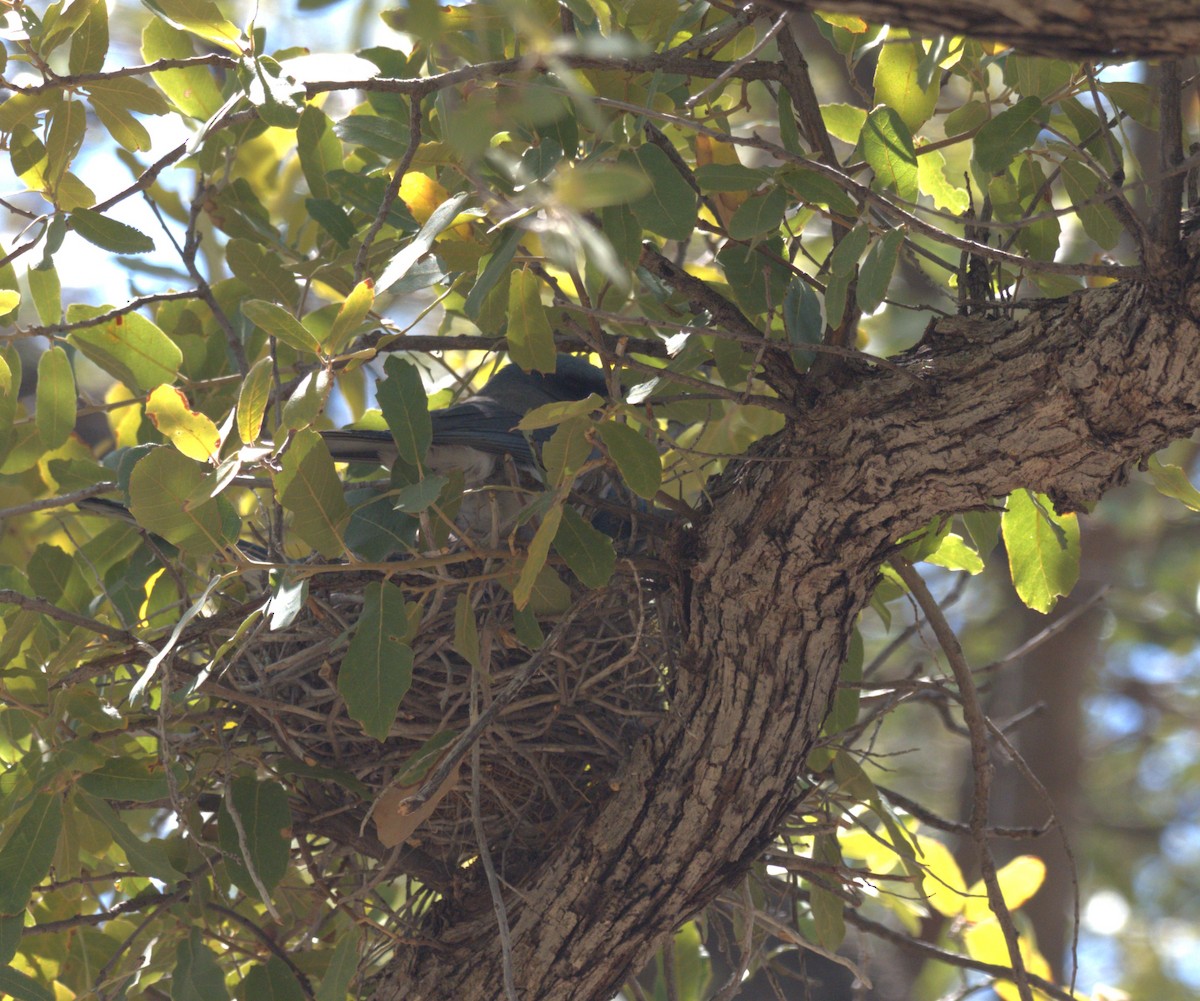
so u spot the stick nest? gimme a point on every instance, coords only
(550, 753)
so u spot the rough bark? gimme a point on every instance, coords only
(1066, 400)
(1063, 29)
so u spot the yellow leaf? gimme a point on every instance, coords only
(1019, 880)
(194, 434)
(943, 883)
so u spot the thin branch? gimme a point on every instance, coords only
(61, 500)
(1171, 181)
(159, 65)
(921, 948)
(981, 770)
(43, 607)
(485, 858)
(393, 188)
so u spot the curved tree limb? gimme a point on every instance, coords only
(1067, 400)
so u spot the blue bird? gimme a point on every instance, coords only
(477, 437)
(474, 436)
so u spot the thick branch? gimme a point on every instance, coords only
(1066, 400)
(1064, 29)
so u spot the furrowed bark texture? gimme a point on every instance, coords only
(1064, 400)
(1063, 29)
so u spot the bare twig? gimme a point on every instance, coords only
(977, 728)
(393, 188)
(43, 607)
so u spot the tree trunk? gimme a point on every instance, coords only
(1066, 400)
(1061, 29)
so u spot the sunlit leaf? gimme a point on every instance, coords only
(1043, 549)
(55, 408)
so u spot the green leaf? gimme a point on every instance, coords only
(1171, 481)
(28, 852)
(266, 820)
(875, 275)
(760, 214)
(1138, 100)
(498, 263)
(539, 550)
(729, 177)
(261, 269)
(567, 450)
(308, 400)
(22, 987)
(319, 150)
(888, 147)
(846, 254)
(550, 415)
(932, 180)
(342, 967)
(844, 713)
(161, 488)
(204, 19)
(826, 905)
(588, 552)
(438, 222)
(844, 121)
(272, 981)
(126, 779)
(419, 496)
(308, 487)
(530, 337)
(999, 141)
(896, 80)
(377, 668)
(466, 631)
(984, 529)
(350, 316)
(114, 102)
(278, 322)
(197, 976)
(1098, 219)
(193, 89)
(670, 208)
(147, 858)
(253, 398)
(594, 186)
(1037, 76)
(1043, 549)
(636, 459)
(754, 273)
(405, 407)
(385, 136)
(109, 234)
(55, 407)
(129, 348)
(46, 291)
(10, 938)
(802, 320)
(953, 553)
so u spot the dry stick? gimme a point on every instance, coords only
(472, 734)
(11, 597)
(911, 944)
(977, 728)
(485, 859)
(61, 500)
